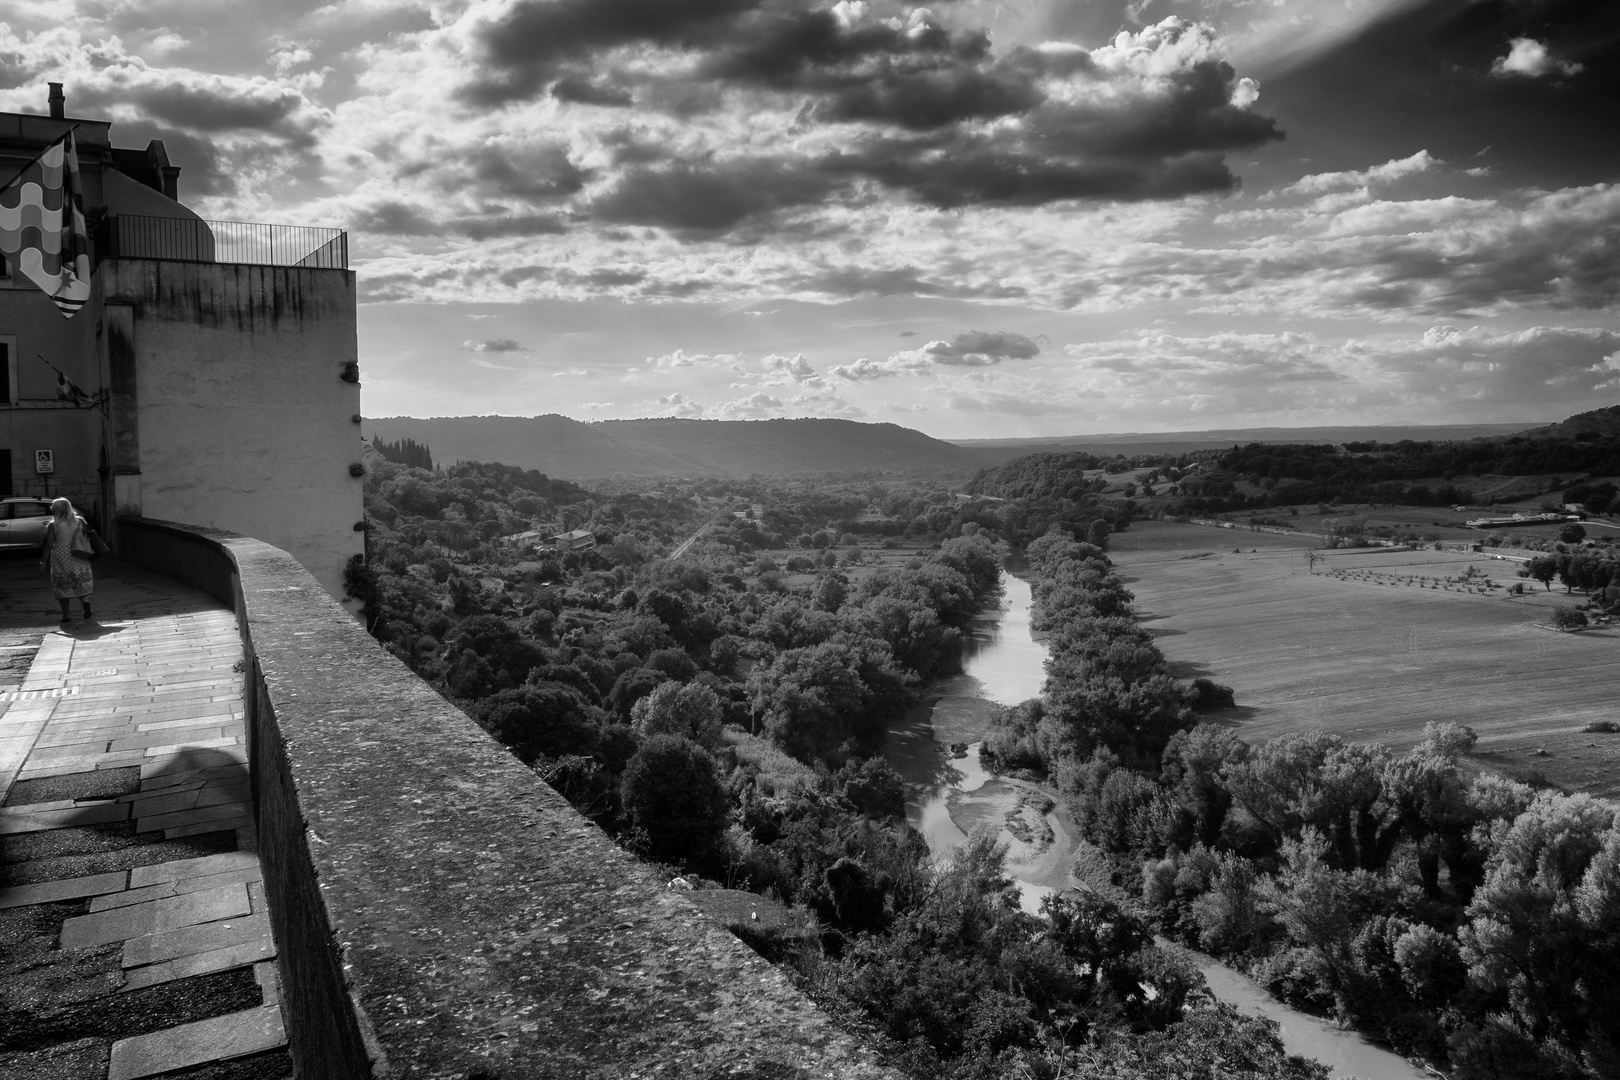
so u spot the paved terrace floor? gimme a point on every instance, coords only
(134, 939)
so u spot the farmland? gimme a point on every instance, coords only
(1374, 643)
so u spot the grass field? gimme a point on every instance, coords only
(1373, 643)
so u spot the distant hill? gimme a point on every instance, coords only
(1598, 422)
(1185, 442)
(562, 447)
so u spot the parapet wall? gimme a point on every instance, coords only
(441, 912)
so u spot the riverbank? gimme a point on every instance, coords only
(949, 792)
(936, 752)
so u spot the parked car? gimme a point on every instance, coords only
(23, 521)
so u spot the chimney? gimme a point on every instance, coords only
(58, 102)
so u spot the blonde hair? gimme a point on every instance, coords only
(62, 510)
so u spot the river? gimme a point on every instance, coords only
(948, 793)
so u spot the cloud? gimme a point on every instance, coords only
(755, 406)
(975, 348)
(1529, 58)
(859, 104)
(497, 345)
(788, 370)
(864, 370)
(678, 405)
(680, 358)
(1473, 371)
(1389, 172)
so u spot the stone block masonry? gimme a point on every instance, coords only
(438, 910)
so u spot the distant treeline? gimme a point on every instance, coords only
(1384, 472)
(1053, 476)
(405, 452)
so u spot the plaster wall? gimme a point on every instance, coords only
(34, 329)
(244, 420)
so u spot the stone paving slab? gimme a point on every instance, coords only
(200, 735)
(133, 896)
(190, 940)
(254, 950)
(36, 808)
(180, 869)
(220, 1039)
(236, 821)
(185, 776)
(195, 816)
(153, 694)
(49, 892)
(156, 916)
(89, 814)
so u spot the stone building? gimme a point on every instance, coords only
(217, 363)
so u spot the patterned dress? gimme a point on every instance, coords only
(70, 575)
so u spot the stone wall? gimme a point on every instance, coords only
(441, 912)
(230, 408)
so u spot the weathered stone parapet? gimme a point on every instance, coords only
(441, 912)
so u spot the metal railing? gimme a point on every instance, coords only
(135, 236)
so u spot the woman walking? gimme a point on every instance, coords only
(70, 572)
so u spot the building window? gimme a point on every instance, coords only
(8, 365)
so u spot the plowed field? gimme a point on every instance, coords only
(1372, 644)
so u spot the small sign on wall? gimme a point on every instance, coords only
(43, 462)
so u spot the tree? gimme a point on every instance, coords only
(831, 590)
(1541, 941)
(1544, 568)
(673, 798)
(547, 719)
(1573, 533)
(1097, 534)
(692, 711)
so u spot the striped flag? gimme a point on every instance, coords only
(42, 230)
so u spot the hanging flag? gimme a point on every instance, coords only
(42, 230)
(66, 391)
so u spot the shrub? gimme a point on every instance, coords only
(673, 799)
(1569, 618)
(1207, 695)
(1601, 727)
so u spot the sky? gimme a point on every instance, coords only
(977, 218)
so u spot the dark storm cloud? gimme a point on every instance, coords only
(394, 219)
(496, 225)
(859, 281)
(698, 199)
(1001, 344)
(976, 169)
(203, 107)
(799, 49)
(580, 91)
(924, 100)
(527, 45)
(527, 172)
(914, 95)
(1196, 114)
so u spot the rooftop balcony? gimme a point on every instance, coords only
(171, 239)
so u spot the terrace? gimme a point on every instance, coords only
(239, 839)
(175, 239)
